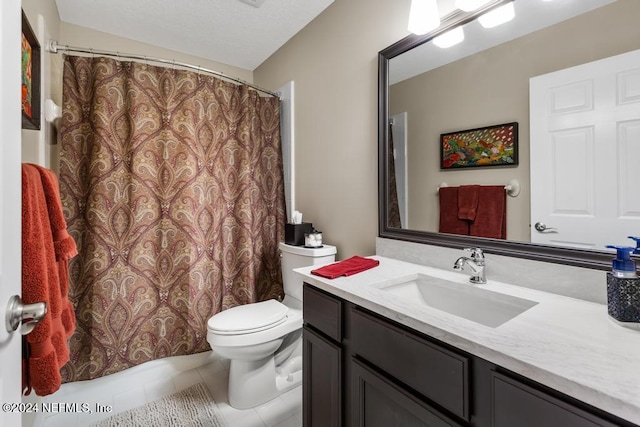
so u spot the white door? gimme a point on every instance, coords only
(10, 203)
(585, 146)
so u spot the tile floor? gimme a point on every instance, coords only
(153, 380)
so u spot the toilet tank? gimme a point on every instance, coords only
(299, 256)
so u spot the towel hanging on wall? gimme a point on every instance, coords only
(449, 221)
(468, 202)
(474, 210)
(46, 249)
(491, 217)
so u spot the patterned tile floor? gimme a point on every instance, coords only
(153, 380)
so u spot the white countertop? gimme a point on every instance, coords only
(567, 344)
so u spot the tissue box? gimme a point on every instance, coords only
(294, 233)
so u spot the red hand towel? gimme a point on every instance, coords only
(467, 202)
(45, 278)
(449, 221)
(491, 218)
(353, 265)
(63, 243)
(65, 248)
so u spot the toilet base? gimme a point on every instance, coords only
(252, 383)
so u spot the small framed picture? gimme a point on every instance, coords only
(30, 77)
(487, 146)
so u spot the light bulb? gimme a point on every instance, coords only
(423, 16)
(498, 16)
(450, 38)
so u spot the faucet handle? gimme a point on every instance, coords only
(476, 254)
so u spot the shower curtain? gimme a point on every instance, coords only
(394, 208)
(172, 186)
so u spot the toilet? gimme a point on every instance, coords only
(263, 340)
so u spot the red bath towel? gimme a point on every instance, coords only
(46, 249)
(348, 267)
(491, 218)
(468, 202)
(449, 221)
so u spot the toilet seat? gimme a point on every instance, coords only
(249, 318)
(291, 321)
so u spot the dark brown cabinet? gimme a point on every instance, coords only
(322, 362)
(362, 369)
(322, 380)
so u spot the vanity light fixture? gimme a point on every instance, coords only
(423, 16)
(498, 16)
(450, 38)
(470, 5)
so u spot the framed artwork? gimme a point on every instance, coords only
(487, 146)
(30, 77)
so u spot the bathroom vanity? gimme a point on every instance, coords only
(378, 353)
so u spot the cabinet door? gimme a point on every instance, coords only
(517, 404)
(378, 402)
(321, 381)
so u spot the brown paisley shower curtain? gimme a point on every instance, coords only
(394, 208)
(172, 187)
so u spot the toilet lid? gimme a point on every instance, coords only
(248, 318)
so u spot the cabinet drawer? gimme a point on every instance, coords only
(323, 312)
(439, 374)
(517, 404)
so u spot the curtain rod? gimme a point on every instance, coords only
(54, 47)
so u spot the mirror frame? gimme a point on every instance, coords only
(599, 260)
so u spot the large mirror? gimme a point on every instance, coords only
(426, 91)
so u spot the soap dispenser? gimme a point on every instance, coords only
(637, 240)
(623, 287)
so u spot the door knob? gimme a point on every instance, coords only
(541, 227)
(27, 314)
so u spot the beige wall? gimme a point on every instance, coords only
(453, 100)
(333, 62)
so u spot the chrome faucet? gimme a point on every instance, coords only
(476, 264)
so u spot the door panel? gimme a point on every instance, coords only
(10, 203)
(629, 134)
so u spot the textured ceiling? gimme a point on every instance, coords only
(226, 31)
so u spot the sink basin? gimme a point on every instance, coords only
(463, 300)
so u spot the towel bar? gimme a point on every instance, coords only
(512, 188)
